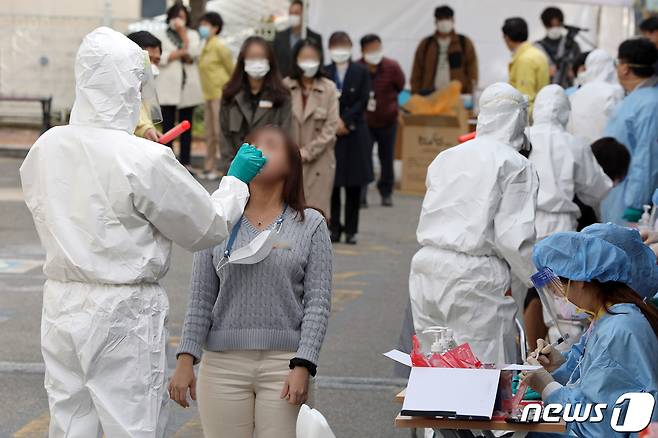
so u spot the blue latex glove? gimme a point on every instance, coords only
(247, 163)
(632, 214)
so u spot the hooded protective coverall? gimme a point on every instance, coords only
(565, 164)
(477, 221)
(595, 101)
(107, 206)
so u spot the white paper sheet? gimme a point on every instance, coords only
(399, 356)
(516, 367)
(460, 391)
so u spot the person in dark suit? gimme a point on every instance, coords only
(353, 147)
(286, 39)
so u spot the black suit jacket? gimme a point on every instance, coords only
(283, 50)
(355, 92)
(353, 150)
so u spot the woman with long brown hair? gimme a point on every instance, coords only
(254, 96)
(606, 272)
(259, 306)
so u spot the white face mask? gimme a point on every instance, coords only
(253, 252)
(555, 33)
(294, 20)
(256, 250)
(340, 55)
(256, 68)
(374, 58)
(175, 23)
(155, 71)
(444, 26)
(310, 68)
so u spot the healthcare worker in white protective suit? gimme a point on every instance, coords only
(107, 206)
(594, 102)
(566, 167)
(565, 164)
(477, 222)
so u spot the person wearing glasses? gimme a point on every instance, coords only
(635, 125)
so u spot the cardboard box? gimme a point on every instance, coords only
(422, 139)
(452, 392)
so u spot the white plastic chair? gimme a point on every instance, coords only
(312, 424)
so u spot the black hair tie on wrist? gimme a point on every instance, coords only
(310, 366)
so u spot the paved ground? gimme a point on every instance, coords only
(355, 386)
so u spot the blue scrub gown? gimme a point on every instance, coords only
(619, 354)
(635, 124)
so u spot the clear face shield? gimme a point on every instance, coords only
(150, 102)
(555, 298)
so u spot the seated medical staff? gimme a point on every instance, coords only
(605, 271)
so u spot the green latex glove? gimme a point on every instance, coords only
(530, 393)
(247, 163)
(632, 214)
(653, 300)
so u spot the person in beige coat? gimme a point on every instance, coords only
(314, 122)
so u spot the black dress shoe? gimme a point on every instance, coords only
(335, 236)
(350, 239)
(387, 201)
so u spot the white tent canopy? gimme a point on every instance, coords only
(402, 24)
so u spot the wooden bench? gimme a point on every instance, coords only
(46, 103)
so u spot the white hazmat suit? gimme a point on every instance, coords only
(565, 164)
(107, 206)
(595, 101)
(477, 221)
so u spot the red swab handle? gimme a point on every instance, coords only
(174, 132)
(466, 137)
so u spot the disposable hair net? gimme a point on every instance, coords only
(582, 257)
(643, 267)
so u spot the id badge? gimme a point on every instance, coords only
(372, 105)
(265, 104)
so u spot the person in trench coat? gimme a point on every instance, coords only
(353, 147)
(314, 122)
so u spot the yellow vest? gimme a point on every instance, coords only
(215, 68)
(145, 123)
(528, 70)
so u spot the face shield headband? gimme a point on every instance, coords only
(149, 94)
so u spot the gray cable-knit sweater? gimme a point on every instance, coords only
(280, 303)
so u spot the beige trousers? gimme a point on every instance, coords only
(211, 122)
(239, 393)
